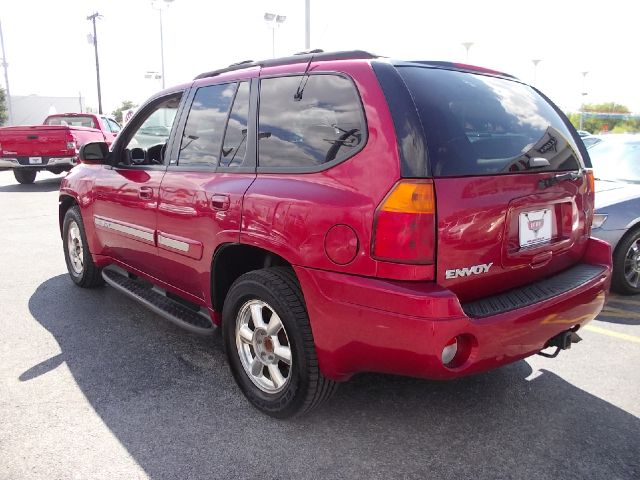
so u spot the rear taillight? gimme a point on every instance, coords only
(404, 224)
(591, 184)
(71, 145)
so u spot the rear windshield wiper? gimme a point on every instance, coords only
(562, 177)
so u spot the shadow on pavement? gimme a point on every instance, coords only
(624, 310)
(46, 185)
(170, 400)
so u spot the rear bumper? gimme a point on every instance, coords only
(364, 324)
(46, 162)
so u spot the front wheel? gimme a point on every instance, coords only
(82, 270)
(626, 264)
(25, 176)
(270, 346)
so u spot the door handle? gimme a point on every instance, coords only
(145, 193)
(220, 202)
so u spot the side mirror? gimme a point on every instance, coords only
(94, 152)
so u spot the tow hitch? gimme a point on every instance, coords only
(562, 341)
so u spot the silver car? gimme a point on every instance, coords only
(616, 166)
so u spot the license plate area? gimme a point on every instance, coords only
(35, 160)
(535, 227)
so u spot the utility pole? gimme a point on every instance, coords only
(6, 77)
(307, 25)
(95, 47)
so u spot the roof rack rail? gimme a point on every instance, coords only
(301, 57)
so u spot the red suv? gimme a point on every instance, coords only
(336, 213)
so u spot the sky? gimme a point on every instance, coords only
(48, 52)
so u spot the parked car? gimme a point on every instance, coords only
(591, 140)
(616, 163)
(52, 146)
(336, 213)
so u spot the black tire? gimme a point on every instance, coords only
(305, 387)
(89, 275)
(25, 176)
(620, 283)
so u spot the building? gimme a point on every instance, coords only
(33, 109)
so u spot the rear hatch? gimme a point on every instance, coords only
(513, 201)
(37, 140)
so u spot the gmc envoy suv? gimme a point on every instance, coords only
(336, 213)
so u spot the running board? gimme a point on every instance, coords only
(156, 301)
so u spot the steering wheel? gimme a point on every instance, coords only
(138, 156)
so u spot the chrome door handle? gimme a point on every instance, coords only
(145, 193)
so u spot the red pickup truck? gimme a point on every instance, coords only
(52, 146)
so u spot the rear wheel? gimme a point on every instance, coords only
(82, 270)
(626, 264)
(25, 176)
(270, 346)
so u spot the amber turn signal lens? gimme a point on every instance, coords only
(591, 184)
(411, 197)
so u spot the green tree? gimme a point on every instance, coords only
(4, 112)
(126, 105)
(595, 119)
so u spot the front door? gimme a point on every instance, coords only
(127, 192)
(212, 165)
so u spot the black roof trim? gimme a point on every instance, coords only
(302, 57)
(454, 66)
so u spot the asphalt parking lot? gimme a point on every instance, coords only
(93, 386)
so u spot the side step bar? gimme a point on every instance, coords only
(181, 315)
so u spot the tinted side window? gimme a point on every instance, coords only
(235, 139)
(326, 124)
(482, 125)
(204, 129)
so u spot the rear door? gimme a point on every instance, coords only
(211, 167)
(513, 198)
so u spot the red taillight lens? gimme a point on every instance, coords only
(404, 224)
(71, 142)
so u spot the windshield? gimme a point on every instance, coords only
(72, 121)
(613, 160)
(482, 125)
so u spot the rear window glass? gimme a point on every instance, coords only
(72, 121)
(481, 125)
(324, 124)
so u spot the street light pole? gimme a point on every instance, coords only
(273, 20)
(535, 70)
(307, 25)
(161, 48)
(584, 93)
(467, 46)
(158, 5)
(95, 47)
(5, 65)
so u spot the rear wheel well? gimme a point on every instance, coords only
(233, 260)
(65, 203)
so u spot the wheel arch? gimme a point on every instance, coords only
(232, 260)
(65, 202)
